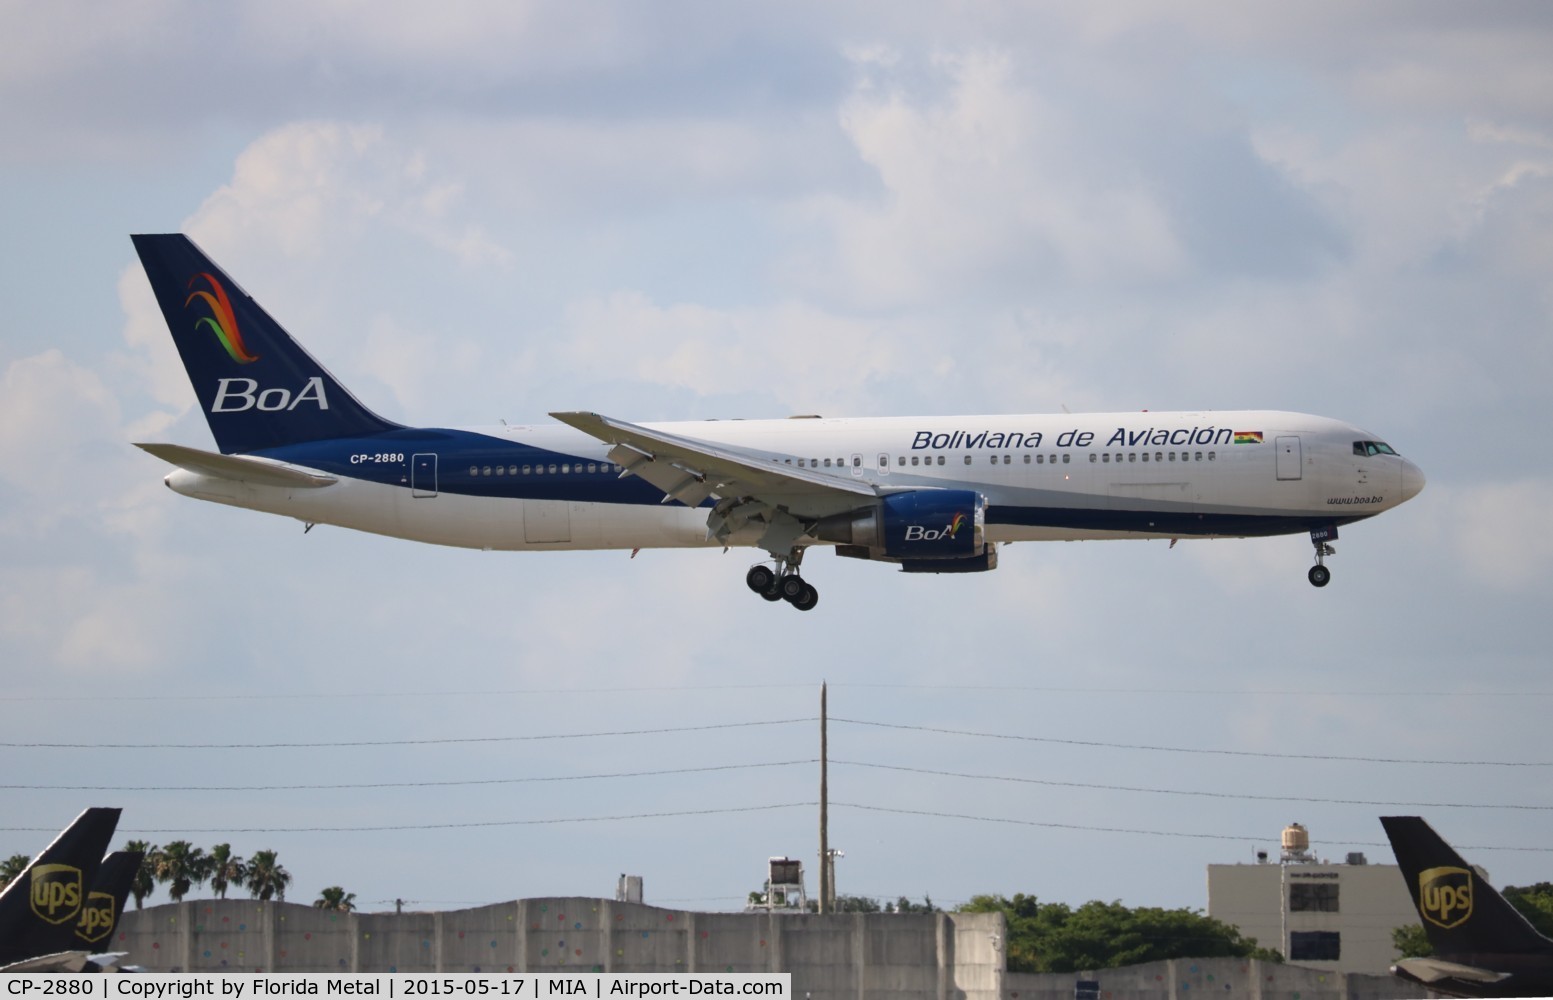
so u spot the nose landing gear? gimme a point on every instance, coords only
(1319, 575)
(783, 583)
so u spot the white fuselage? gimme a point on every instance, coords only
(1044, 477)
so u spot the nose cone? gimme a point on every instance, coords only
(1412, 480)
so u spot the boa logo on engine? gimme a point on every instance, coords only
(918, 533)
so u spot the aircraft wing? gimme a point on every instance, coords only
(63, 961)
(690, 471)
(258, 471)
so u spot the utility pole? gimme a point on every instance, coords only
(825, 893)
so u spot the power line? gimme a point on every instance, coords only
(359, 695)
(1196, 750)
(442, 826)
(1180, 791)
(394, 743)
(398, 784)
(1118, 829)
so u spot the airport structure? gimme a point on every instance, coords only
(922, 955)
(1334, 917)
(914, 956)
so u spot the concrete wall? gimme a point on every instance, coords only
(1204, 978)
(940, 955)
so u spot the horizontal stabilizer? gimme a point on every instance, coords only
(257, 471)
(1434, 970)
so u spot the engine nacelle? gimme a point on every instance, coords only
(918, 525)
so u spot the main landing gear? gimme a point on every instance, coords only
(1319, 575)
(783, 583)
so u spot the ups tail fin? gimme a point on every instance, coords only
(39, 908)
(258, 387)
(1461, 913)
(105, 902)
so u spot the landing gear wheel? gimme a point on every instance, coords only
(791, 587)
(806, 600)
(760, 578)
(1319, 576)
(773, 592)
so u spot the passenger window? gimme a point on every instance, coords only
(1009, 461)
(1027, 459)
(552, 469)
(512, 470)
(940, 460)
(994, 459)
(1132, 456)
(1106, 457)
(485, 471)
(1199, 457)
(593, 467)
(1065, 460)
(1159, 456)
(1210, 456)
(827, 463)
(857, 461)
(474, 470)
(914, 459)
(527, 469)
(501, 470)
(1092, 458)
(901, 460)
(1172, 456)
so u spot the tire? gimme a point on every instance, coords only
(791, 587)
(760, 578)
(806, 600)
(1320, 576)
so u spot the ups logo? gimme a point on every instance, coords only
(56, 892)
(1445, 896)
(96, 917)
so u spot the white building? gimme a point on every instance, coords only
(1330, 916)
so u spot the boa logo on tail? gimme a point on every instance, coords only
(222, 321)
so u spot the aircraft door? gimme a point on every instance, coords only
(423, 474)
(857, 466)
(1289, 461)
(884, 464)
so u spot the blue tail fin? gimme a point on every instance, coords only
(258, 387)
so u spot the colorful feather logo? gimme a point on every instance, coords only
(954, 526)
(222, 321)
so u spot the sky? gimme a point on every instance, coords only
(684, 210)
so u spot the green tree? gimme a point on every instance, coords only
(1535, 902)
(335, 898)
(180, 866)
(226, 869)
(266, 877)
(1410, 941)
(904, 905)
(144, 882)
(12, 867)
(1054, 937)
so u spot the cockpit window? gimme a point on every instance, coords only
(1372, 448)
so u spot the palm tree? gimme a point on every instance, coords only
(226, 869)
(266, 877)
(336, 898)
(12, 867)
(144, 882)
(181, 865)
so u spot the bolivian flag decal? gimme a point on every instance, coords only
(1248, 437)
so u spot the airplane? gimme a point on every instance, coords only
(41, 909)
(1483, 946)
(927, 494)
(99, 917)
